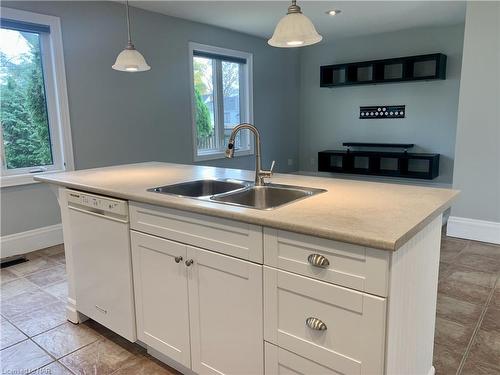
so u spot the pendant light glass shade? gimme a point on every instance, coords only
(294, 30)
(130, 60)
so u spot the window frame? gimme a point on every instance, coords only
(56, 100)
(246, 100)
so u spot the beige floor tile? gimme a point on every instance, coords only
(42, 319)
(53, 250)
(9, 335)
(101, 357)
(66, 338)
(483, 249)
(446, 361)
(59, 258)
(458, 311)
(486, 348)
(453, 335)
(16, 287)
(6, 276)
(479, 262)
(59, 290)
(48, 276)
(464, 291)
(34, 265)
(495, 300)
(469, 275)
(26, 302)
(55, 368)
(451, 248)
(23, 358)
(145, 366)
(472, 367)
(491, 320)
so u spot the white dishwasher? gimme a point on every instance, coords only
(100, 244)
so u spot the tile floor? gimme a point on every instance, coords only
(36, 337)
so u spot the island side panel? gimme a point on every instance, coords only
(72, 314)
(412, 303)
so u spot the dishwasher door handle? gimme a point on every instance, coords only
(97, 214)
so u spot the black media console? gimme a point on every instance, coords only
(380, 163)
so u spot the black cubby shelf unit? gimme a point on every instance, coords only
(380, 163)
(400, 69)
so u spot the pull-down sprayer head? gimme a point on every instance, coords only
(230, 148)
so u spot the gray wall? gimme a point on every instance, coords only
(119, 118)
(477, 155)
(330, 116)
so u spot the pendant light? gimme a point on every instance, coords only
(294, 30)
(130, 60)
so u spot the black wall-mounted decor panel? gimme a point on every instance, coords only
(382, 111)
(399, 69)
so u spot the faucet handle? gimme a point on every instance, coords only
(272, 166)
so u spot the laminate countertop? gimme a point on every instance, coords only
(372, 214)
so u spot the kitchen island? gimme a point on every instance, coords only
(340, 282)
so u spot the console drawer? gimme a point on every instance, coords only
(353, 266)
(353, 338)
(229, 237)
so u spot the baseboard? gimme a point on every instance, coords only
(472, 229)
(31, 240)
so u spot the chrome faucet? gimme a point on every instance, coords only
(260, 174)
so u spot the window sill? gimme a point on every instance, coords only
(221, 155)
(22, 179)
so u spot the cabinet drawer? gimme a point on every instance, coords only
(348, 265)
(352, 341)
(229, 237)
(282, 362)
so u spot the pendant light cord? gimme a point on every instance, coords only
(128, 27)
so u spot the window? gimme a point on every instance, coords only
(222, 99)
(34, 133)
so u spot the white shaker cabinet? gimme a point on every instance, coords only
(204, 312)
(225, 309)
(161, 295)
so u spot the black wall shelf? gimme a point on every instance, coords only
(380, 163)
(400, 69)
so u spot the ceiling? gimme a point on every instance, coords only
(357, 18)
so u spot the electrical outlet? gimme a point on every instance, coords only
(290, 162)
(313, 161)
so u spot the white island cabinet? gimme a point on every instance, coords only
(344, 282)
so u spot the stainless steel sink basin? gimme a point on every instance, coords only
(202, 188)
(266, 197)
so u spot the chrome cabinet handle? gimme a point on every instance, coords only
(101, 309)
(178, 259)
(318, 260)
(189, 262)
(316, 324)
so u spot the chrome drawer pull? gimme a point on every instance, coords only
(316, 324)
(101, 309)
(178, 259)
(318, 260)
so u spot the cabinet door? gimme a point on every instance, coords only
(225, 307)
(161, 295)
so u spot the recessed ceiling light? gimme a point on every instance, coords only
(333, 12)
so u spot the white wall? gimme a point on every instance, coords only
(330, 116)
(476, 214)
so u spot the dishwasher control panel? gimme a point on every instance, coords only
(97, 202)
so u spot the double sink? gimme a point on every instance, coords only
(239, 193)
